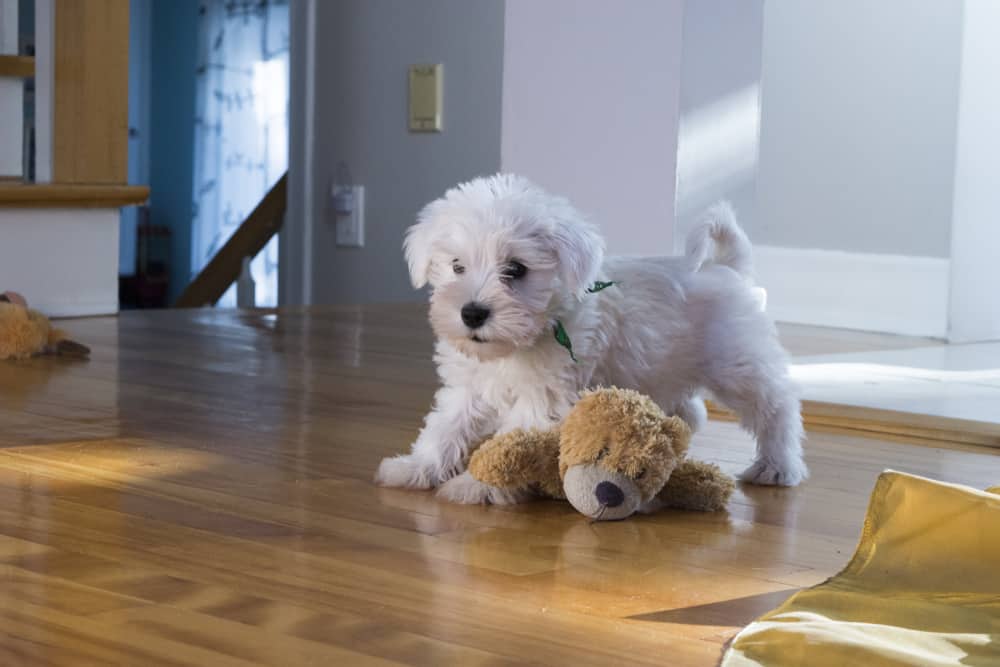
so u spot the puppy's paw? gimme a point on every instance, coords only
(467, 490)
(404, 472)
(772, 473)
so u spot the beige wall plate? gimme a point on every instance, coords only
(426, 86)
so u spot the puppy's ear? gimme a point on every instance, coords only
(580, 250)
(419, 246)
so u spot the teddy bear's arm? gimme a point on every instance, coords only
(520, 460)
(697, 485)
(59, 343)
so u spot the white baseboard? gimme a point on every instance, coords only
(56, 308)
(64, 261)
(884, 293)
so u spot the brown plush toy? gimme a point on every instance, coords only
(25, 333)
(616, 453)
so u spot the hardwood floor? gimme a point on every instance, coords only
(803, 340)
(199, 493)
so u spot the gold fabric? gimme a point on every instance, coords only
(923, 588)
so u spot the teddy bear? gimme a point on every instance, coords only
(25, 332)
(615, 453)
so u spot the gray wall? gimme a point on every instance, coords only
(857, 146)
(719, 109)
(590, 99)
(363, 50)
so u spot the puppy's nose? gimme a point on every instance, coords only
(474, 315)
(609, 495)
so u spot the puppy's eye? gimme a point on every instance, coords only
(601, 454)
(642, 473)
(457, 268)
(514, 270)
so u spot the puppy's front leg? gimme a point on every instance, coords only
(457, 422)
(533, 410)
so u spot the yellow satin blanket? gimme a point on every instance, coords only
(923, 588)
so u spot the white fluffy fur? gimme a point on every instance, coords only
(672, 328)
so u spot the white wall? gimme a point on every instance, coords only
(45, 28)
(363, 49)
(974, 312)
(11, 97)
(8, 27)
(873, 186)
(719, 109)
(64, 260)
(859, 100)
(295, 246)
(590, 109)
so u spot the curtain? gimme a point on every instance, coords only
(241, 127)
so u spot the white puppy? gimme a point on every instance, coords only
(510, 264)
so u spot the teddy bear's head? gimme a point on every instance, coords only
(617, 450)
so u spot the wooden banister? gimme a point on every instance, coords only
(17, 66)
(248, 240)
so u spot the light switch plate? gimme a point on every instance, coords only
(426, 86)
(351, 226)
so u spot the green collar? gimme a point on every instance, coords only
(560, 331)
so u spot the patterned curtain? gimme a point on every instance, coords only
(241, 127)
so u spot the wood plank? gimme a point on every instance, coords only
(90, 96)
(67, 195)
(887, 423)
(199, 492)
(802, 340)
(22, 67)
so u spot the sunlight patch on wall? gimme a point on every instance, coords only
(717, 148)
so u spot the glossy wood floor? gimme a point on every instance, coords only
(199, 493)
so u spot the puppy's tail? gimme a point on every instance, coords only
(718, 239)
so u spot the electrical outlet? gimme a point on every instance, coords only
(351, 222)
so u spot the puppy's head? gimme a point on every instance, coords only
(500, 254)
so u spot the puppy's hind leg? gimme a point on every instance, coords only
(689, 407)
(778, 429)
(692, 410)
(766, 401)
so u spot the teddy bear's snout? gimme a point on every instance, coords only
(609, 494)
(601, 494)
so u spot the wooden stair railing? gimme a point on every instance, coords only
(17, 66)
(248, 240)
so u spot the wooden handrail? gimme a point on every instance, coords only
(248, 240)
(21, 67)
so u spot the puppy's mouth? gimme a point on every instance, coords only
(476, 339)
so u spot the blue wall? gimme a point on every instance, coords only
(171, 132)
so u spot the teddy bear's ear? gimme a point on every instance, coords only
(677, 430)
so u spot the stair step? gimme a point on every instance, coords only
(70, 195)
(65, 260)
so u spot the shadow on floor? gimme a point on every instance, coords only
(738, 611)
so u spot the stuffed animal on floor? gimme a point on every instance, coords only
(25, 333)
(615, 453)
